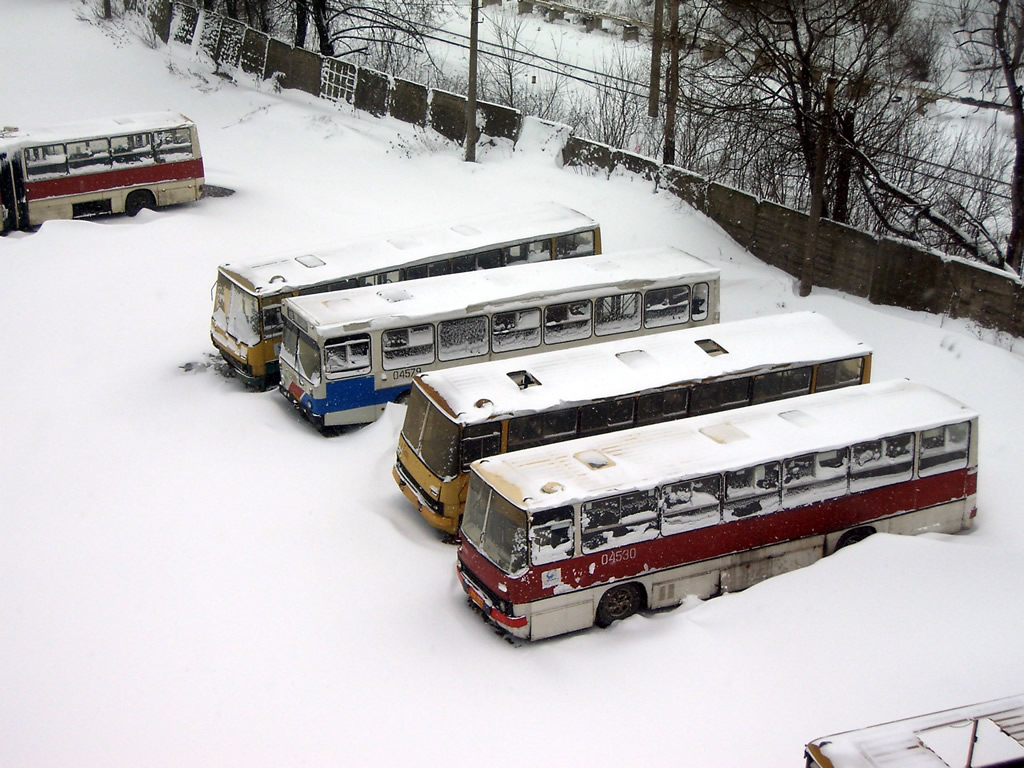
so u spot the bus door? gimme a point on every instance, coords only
(13, 203)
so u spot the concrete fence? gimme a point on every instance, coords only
(883, 270)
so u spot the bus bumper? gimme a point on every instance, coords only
(424, 506)
(518, 626)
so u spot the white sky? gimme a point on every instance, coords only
(191, 575)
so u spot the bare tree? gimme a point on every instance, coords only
(512, 75)
(992, 39)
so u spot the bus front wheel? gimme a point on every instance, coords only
(137, 200)
(618, 603)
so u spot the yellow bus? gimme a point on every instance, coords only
(459, 415)
(246, 324)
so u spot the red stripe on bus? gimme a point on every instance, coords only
(80, 184)
(632, 560)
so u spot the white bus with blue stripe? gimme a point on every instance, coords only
(346, 354)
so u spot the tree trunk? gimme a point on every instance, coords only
(301, 23)
(1009, 52)
(318, 10)
(840, 209)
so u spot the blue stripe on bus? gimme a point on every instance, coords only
(348, 394)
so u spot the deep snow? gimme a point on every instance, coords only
(191, 575)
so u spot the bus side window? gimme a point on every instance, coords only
(464, 263)
(691, 504)
(720, 395)
(518, 329)
(173, 144)
(881, 462)
(617, 314)
(839, 373)
(618, 520)
(782, 384)
(488, 260)
(462, 337)
(416, 271)
(90, 154)
(345, 357)
(579, 244)
(133, 148)
(539, 250)
(944, 449)
(667, 306)
(568, 322)
(752, 491)
(540, 428)
(480, 441)
(46, 161)
(551, 536)
(405, 347)
(814, 477)
(663, 405)
(699, 310)
(442, 267)
(606, 416)
(272, 321)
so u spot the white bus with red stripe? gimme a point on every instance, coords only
(112, 165)
(560, 537)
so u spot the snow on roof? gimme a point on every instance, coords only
(493, 229)
(626, 366)
(545, 282)
(644, 457)
(103, 126)
(935, 740)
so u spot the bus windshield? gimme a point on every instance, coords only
(495, 527)
(236, 311)
(433, 436)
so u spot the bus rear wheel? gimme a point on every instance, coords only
(852, 537)
(618, 603)
(137, 200)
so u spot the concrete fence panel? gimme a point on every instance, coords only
(500, 122)
(183, 23)
(448, 115)
(409, 102)
(253, 53)
(372, 91)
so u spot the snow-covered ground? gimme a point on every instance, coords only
(191, 575)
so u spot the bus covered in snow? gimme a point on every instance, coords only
(112, 165)
(561, 537)
(985, 735)
(459, 415)
(346, 354)
(246, 323)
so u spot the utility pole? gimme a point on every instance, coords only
(474, 13)
(817, 191)
(656, 34)
(672, 84)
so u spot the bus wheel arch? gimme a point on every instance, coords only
(854, 535)
(619, 602)
(137, 200)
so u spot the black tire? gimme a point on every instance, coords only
(852, 537)
(618, 603)
(403, 399)
(137, 200)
